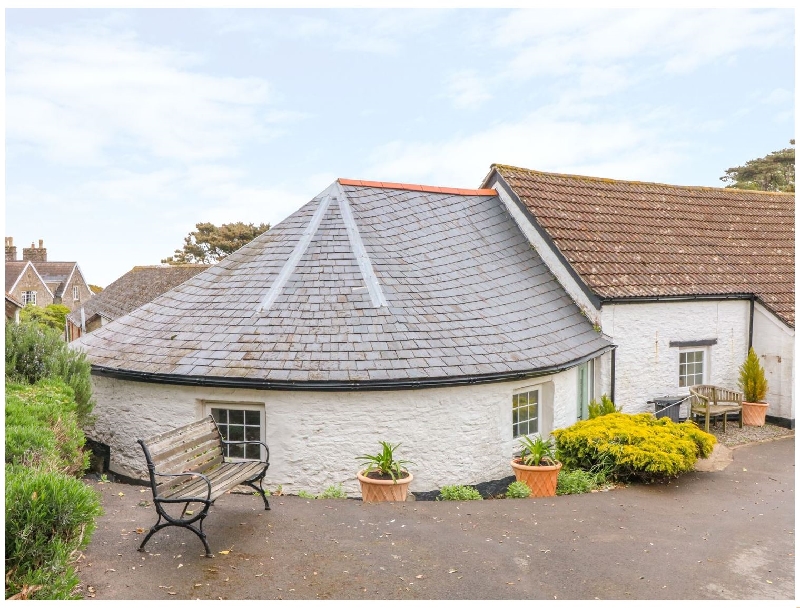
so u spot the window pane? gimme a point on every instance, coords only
(252, 417)
(236, 416)
(235, 432)
(236, 451)
(523, 399)
(252, 433)
(219, 415)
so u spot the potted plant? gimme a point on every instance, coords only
(385, 479)
(537, 467)
(753, 383)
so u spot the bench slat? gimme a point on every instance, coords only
(186, 436)
(175, 481)
(225, 477)
(156, 439)
(186, 453)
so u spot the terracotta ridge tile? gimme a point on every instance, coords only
(610, 180)
(417, 187)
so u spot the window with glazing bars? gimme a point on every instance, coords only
(239, 425)
(525, 413)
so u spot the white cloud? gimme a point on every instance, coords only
(76, 95)
(468, 90)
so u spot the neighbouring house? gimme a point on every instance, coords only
(35, 280)
(411, 314)
(136, 287)
(682, 279)
(13, 306)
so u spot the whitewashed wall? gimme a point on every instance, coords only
(773, 341)
(459, 435)
(646, 365)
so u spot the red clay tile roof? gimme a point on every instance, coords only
(637, 239)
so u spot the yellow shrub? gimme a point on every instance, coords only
(633, 446)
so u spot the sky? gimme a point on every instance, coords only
(125, 128)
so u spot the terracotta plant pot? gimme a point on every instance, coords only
(754, 414)
(383, 490)
(542, 480)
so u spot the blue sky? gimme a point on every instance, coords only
(124, 128)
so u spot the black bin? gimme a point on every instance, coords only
(669, 406)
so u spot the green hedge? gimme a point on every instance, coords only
(637, 446)
(49, 512)
(42, 429)
(35, 352)
(49, 517)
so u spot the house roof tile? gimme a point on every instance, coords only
(638, 239)
(463, 291)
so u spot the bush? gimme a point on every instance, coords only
(459, 493)
(518, 489)
(606, 406)
(752, 380)
(52, 315)
(637, 446)
(334, 491)
(49, 517)
(575, 482)
(41, 428)
(35, 352)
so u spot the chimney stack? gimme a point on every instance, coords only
(34, 253)
(11, 250)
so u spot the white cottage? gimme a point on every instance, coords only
(410, 314)
(682, 279)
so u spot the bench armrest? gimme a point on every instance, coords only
(266, 449)
(187, 474)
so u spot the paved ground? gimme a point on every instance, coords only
(725, 534)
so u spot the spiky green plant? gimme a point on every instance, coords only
(537, 452)
(752, 380)
(384, 461)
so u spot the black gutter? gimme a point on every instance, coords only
(593, 298)
(337, 385)
(752, 314)
(613, 373)
(675, 298)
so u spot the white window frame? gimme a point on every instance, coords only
(515, 407)
(76, 294)
(235, 405)
(704, 350)
(29, 297)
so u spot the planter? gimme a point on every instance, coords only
(754, 414)
(542, 480)
(383, 490)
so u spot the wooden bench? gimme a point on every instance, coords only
(188, 465)
(710, 401)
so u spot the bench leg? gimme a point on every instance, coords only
(258, 488)
(180, 524)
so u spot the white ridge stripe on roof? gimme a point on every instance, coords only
(357, 245)
(299, 250)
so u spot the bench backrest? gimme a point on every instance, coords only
(195, 448)
(704, 394)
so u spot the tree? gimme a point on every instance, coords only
(773, 172)
(52, 315)
(209, 243)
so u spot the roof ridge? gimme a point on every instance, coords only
(418, 187)
(642, 183)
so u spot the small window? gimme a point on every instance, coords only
(692, 367)
(239, 425)
(76, 295)
(28, 297)
(525, 413)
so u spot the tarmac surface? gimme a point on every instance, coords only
(717, 534)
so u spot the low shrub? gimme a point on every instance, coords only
(304, 494)
(49, 517)
(41, 428)
(334, 491)
(575, 482)
(35, 352)
(459, 493)
(518, 489)
(633, 446)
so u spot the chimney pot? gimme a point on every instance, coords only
(41, 243)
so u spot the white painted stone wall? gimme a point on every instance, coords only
(773, 341)
(646, 365)
(458, 435)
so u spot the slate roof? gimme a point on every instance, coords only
(55, 274)
(635, 239)
(136, 287)
(465, 299)
(13, 270)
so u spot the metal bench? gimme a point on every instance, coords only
(710, 401)
(188, 465)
